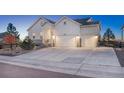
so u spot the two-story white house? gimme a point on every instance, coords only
(66, 32)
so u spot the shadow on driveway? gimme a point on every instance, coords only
(12, 71)
(120, 55)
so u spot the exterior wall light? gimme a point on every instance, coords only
(33, 34)
(53, 37)
(96, 37)
(78, 37)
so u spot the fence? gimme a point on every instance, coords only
(115, 44)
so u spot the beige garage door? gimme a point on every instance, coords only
(65, 41)
(91, 42)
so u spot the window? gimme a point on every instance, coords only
(41, 37)
(33, 35)
(65, 23)
(43, 23)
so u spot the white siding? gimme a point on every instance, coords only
(70, 28)
(66, 33)
(90, 30)
(37, 29)
(89, 35)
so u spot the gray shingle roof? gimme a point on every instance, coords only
(84, 21)
(50, 21)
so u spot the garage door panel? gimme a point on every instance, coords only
(68, 41)
(90, 41)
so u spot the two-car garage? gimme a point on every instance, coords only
(65, 41)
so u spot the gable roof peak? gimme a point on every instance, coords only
(48, 20)
(67, 18)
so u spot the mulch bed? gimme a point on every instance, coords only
(120, 55)
(13, 53)
(5, 52)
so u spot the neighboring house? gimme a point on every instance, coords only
(65, 32)
(1, 39)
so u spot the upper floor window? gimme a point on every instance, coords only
(65, 22)
(43, 23)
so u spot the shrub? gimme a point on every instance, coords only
(27, 44)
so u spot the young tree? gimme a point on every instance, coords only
(11, 30)
(108, 35)
(9, 39)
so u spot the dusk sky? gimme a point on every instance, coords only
(22, 23)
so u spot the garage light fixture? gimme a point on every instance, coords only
(96, 37)
(78, 37)
(53, 37)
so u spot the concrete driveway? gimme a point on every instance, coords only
(58, 54)
(98, 62)
(98, 56)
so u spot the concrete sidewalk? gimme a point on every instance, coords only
(99, 62)
(12, 71)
